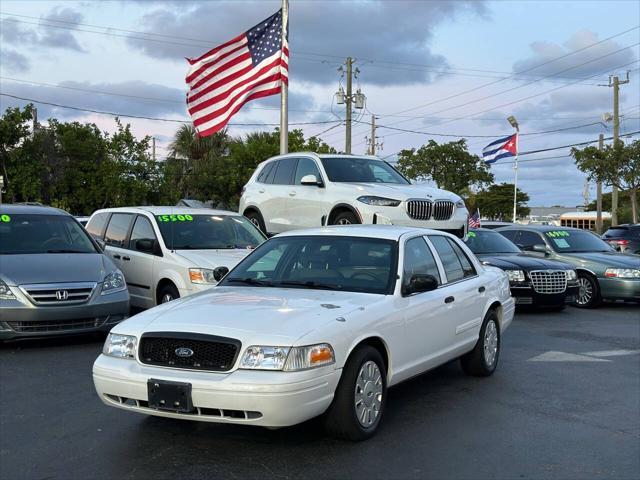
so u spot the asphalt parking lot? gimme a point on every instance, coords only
(564, 403)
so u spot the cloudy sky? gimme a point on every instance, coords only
(436, 68)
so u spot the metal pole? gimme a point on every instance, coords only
(347, 142)
(373, 135)
(599, 193)
(153, 143)
(515, 183)
(616, 133)
(284, 90)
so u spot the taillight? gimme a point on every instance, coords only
(620, 242)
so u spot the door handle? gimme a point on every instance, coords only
(115, 255)
(261, 190)
(292, 194)
(126, 258)
(481, 289)
(449, 300)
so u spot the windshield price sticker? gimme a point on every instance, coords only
(471, 234)
(561, 243)
(558, 234)
(174, 218)
(5, 218)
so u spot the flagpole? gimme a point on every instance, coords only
(284, 90)
(515, 183)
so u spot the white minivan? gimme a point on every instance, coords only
(171, 252)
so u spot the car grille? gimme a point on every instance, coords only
(427, 210)
(208, 352)
(58, 293)
(57, 325)
(549, 281)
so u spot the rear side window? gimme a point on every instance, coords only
(450, 260)
(97, 223)
(509, 234)
(467, 266)
(117, 229)
(264, 174)
(284, 172)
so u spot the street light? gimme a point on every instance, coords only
(514, 123)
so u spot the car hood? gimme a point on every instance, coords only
(405, 192)
(606, 259)
(215, 258)
(253, 315)
(54, 268)
(520, 261)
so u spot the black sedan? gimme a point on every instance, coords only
(534, 281)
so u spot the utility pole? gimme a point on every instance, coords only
(599, 192)
(615, 82)
(347, 142)
(35, 119)
(153, 148)
(372, 150)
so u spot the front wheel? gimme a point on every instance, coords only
(588, 292)
(167, 294)
(358, 403)
(255, 218)
(483, 359)
(346, 218)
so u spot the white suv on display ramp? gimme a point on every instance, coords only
(301, 190)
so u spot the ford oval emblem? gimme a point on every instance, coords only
(184, 352)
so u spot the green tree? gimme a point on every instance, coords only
(496, 202)
(449, 165)
(13, 129)
(616, 165)
(624, 206)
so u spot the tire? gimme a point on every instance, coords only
(254, 217)
(346, 217)
(588, 292)
(341, 420)
(168, 293)
(476, 362)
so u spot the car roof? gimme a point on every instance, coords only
(386, 232)
(323, 155)
(170, 210)
(537, 228)
(17, 209)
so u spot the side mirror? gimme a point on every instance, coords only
(421, 283)
(310, 180)
(220, 272)
(540, 249)
(101, 243)
(146, 245)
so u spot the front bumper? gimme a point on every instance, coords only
(371, 214)
(620, 289)
(264, 398)
(526, 295)
(20, 318)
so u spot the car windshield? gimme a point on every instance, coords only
(361, 170)
(206, 232)
(351, 264)
(574, 241)
(28, 234)
(480, 241)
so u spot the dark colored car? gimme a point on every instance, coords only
(624, 238)
(534, 281)
(603, 273)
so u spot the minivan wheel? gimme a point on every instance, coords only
(358, 404)
(167, 294)
(588, 292)
(483, 359)
(255, 218)
(346, 218)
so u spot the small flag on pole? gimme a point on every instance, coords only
(501, 148)
(249, 66)
(474, 220)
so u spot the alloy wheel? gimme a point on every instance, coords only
(343, 221)
(166, 298)
(490, 343)
(585, 291)
(368, 394)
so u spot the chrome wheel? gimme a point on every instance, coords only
(585, 291)
(490, 343)
(343, 221)
(368, 394)
(167, 297)
(255, 222)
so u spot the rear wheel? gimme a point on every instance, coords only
(358, 404)
(588, 292)
(255, 218)
(483, 359)
(346, 218)
(168, 293)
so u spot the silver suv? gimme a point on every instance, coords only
(54, 278)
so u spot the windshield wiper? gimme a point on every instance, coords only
(249, 281)
(308, 284)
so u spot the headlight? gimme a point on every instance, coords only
(264, 358)
(303, 358)
(460, 204)
(121, 346)
(202, 275)
(515, 275)
(571, 275)
(379, 201)
(114, 282)
(5, 292)
(622, 273)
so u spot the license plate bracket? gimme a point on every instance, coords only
(170, 396)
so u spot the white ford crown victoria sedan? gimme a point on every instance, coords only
(315, 322)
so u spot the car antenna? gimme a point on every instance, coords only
(173, 248)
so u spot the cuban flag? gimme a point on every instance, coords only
(501, 148)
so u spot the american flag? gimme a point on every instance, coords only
(474, 220)
(249, 66)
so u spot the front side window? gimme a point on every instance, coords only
(305, 167)
(450, 261)
(418, 260)
(207, 232)
(529, 239)
(361, 170)
(142, 230)
(29, 234)
(284, 171)
(353, 264)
